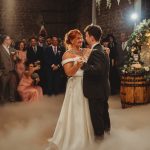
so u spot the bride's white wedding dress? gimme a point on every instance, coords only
(74, 129)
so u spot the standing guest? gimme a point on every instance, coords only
(28, 88)
(8, 81)
(34, 52)
(105, 43)
(122, 53)
(41, 42)
(113, 74)
(25, 42)
(20, 59)
(53, 68)
(49, 41)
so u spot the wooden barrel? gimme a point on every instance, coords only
(148, 90)
(134, 90)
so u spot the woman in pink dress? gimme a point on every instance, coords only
(28, 88)
(20, 59)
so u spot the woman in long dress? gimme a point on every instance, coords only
(28, 88)
(74, 129)
(20, 59)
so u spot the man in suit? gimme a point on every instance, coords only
(122, 53)
(96, 82)
(53, 68)
(49, 41)
(8, 83)
(41, 42)
(36, 53)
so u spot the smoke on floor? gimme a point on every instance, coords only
(27, 126)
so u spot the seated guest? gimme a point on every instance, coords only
(28, 88)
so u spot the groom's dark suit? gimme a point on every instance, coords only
(96, 88)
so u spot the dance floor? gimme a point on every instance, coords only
(28, 126)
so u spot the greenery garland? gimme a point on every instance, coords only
(140, 37)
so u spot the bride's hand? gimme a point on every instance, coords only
(80, 62)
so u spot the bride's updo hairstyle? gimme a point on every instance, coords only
(69, 36)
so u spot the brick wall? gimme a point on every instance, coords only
(22, 18)
(116, 19)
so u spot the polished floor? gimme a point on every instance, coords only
(26, 126)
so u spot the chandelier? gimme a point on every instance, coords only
(108, 3)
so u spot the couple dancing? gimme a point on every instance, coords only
(84, 115)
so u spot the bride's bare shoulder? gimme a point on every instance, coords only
(67, 55)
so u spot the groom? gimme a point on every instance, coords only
(95, 82)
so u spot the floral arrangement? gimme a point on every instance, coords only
(140, 37)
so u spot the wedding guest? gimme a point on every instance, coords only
(113, 74)
(35, 53)
(122, 53)
(49, 41)
(53, 68)
(28, 88)
(7, 71)
(20, 59)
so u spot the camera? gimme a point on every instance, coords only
(35, 78)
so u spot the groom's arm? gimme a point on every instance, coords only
(97, 66)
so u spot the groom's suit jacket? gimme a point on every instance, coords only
(96, 75)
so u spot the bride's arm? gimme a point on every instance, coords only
(70, 68)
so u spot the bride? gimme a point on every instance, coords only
(74, 129)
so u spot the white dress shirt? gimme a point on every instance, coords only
(6, 48)
(124, 45)
(94, 45)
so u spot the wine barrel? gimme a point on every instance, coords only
(148, 90)
(134, 90)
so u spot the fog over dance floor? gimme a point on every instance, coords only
(27, 126)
